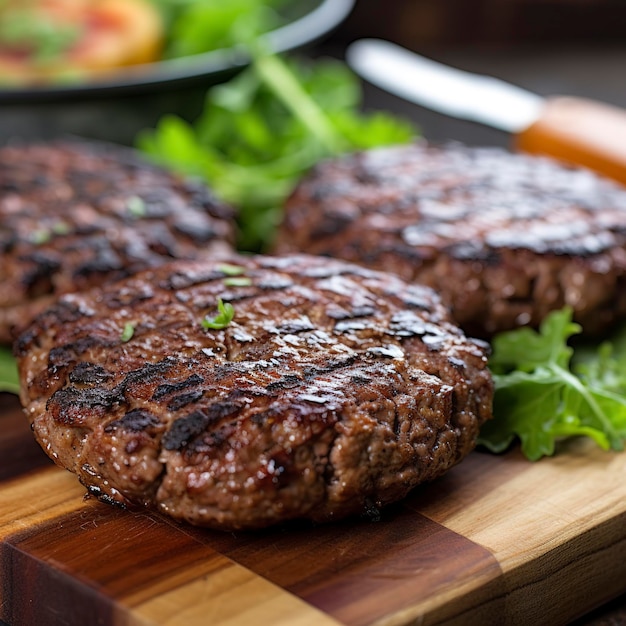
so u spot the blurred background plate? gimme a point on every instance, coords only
(134, 98)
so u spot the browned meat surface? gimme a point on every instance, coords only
(333, 391)
(75, 214)
(504, 238)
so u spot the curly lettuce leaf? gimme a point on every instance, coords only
(542, 398)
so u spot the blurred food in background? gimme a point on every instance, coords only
(66, 40)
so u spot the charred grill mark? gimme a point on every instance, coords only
(407, 324)
(185, 429)
(86, 373)
(39, 280)
(167, 389)
(333, 224)
(300, 325)
(128, 298)
(288, 381)
(335, 312)
(26, 341)
(196, 228)
(147, 373)
(206, 199)
(473, 251)
(457, 363)
(332, 366)
(68, 405)
(274, 283)
(63, 356)
(162, 243)
(189, 279)
(184, 399)
(104, 260)
(135, 421)
(419, 299)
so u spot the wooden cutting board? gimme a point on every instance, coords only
(497, 540)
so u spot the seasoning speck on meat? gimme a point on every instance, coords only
(504, 238)
(331, 389)
(74, 214)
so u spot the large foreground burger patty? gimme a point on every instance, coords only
(505, 238)
(75, 214)
(333, 390)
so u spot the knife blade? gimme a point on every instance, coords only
(576, 130)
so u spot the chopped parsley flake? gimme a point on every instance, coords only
(231, 270)
(225, 315)
(44, 234)
(238, 281)
(40, 236)
(136, 206)
(61, 228)
(128, 332)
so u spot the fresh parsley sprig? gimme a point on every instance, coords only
(225, 315)
(542, 396)
(260, 131)
(127, 332)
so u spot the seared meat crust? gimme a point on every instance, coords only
(504, 238)
(335, 389)
(73, 214)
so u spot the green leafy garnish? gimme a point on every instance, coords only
(9, 378)
(136, 206)
(541, 397)
(225, 315)
(263, 129)
(196, 26)
(128, 332)
(61, 228)
(238, 281)
(40, 236)
(229, 269)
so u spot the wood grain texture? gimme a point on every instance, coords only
(496, 540)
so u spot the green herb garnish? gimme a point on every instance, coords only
(231, 270)
(225, 315)
(238, 281)
(541, 398)
(61, 228)
(136, 206)
(40, 236)
(9, 378)
(197, 26)
(263, 129)
(128, 332)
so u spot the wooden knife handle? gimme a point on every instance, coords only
(581, 132)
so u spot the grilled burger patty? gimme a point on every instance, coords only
(505, 238)
(75, 214)
(334, 390)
